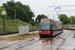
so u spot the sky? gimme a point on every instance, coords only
(42, 7)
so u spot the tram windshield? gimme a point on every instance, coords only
(45, 25)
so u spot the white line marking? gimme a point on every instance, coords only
(12, 42)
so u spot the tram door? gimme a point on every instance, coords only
(55, 28)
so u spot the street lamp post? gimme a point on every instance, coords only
(37, 22)
(15, 14)
(33, 20)
(3, 13)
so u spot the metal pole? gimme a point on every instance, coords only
(48, 15)
(3, 13)
(3, 23)
(15, 14)
(53, 16)
(37, 22)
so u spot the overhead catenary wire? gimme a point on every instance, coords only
(56, 13)
(59, 7)
(64, 10)
(54, 3)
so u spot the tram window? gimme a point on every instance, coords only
(57, 24)
(60, 25)
(51, 25)
(54, 25)
(44, 25)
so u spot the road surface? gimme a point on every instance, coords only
(57, 43)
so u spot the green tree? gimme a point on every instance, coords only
(72, 19)
(64, 18)
(23, 12)
(33, 23)
(1, 9)
(39, 17)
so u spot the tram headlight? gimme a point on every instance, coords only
(49, 31)
(40, 31)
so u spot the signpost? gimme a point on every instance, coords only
(3, 13)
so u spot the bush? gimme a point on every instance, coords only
(33, 29)
(33, 23)
(12, 26)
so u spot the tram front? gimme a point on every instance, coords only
(46, 28)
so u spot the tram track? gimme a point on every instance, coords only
(52, 41)
(63, 42)
(27, 44)
(48, 39)
(32, 41)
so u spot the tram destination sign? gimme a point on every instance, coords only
(45, 20)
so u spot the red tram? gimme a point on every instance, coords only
(50, 28)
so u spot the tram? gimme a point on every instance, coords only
(50, 28)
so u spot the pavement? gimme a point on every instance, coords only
(40, 44)
(6, 43)
(15, 34)
(69, 44)
(43, 44)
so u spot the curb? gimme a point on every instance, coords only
(31, 39)
(16, 34)
(68, 29)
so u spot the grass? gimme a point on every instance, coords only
(12, 26)
(65, 26)
(21, 37)
(74, 36)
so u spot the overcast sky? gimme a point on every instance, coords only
(41, 7)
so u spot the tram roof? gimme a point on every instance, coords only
(46, 19)
(51, 19)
